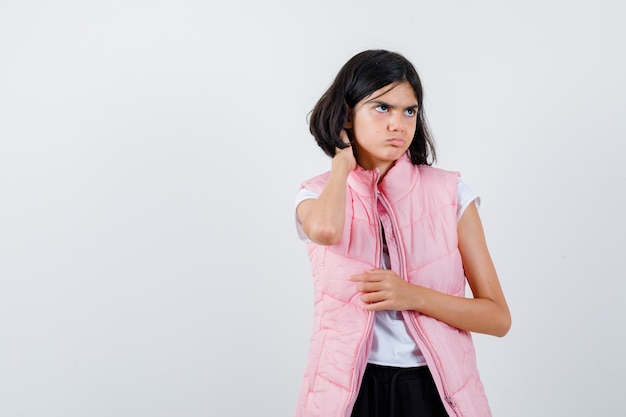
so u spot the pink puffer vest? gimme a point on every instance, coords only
(420, 205)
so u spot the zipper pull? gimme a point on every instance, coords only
(450, 401)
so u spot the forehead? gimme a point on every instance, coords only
(401, 93)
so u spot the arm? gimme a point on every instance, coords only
(323, 218)
(486, 313)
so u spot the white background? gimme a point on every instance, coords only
(150, 156)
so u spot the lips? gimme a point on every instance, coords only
(396, 142)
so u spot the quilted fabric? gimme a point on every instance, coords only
(419, 203)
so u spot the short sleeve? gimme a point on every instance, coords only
(303, 194)
(466, 195)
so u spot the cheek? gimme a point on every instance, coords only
(362, 127)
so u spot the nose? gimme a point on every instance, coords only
(396, 122)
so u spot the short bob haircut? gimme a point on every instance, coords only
(361, 76)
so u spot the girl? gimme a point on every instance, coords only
(391, 241)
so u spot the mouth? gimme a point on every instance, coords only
(396, 142)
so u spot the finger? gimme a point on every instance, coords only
(383, 305)
(371, 275)
(364, 278)
(368, 287)
(373, 297)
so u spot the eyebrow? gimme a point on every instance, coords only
(391, 106)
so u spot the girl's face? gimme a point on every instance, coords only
(383, 125)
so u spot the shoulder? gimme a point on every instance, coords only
(317, 183)
(436, 172)
(443, 179)
(438, 177)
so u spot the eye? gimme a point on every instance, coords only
(381, 108)
(410, 112)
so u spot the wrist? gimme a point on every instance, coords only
(417, 297)
(341, 167)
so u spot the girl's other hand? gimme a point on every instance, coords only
(383, 289)
(344, 158)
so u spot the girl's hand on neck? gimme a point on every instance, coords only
(344, 159)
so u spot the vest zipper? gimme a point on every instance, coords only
(403, 273)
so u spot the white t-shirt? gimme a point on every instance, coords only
(392, 345)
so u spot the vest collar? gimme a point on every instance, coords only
(400, 179)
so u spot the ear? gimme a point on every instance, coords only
(348, 124)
